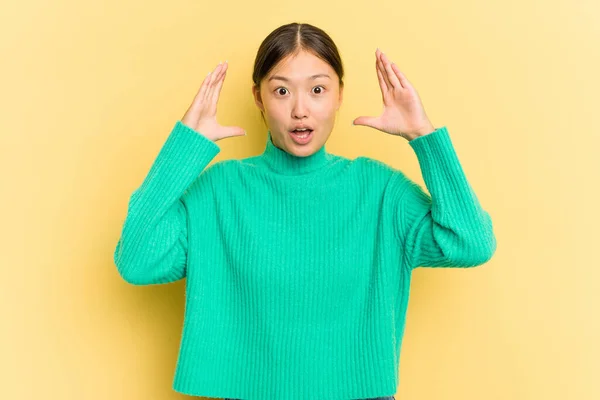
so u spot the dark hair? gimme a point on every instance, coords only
(290, 39)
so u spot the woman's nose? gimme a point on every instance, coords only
(299, 109)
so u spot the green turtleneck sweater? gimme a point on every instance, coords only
(297, 269)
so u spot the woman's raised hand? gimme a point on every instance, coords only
(201, 115)
(403, 112)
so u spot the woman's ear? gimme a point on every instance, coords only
(257, 97)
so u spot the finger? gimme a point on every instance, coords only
(388, 85)
(391, 75)
(401, 77)
(382, 83)
(221, 71)
(197, 102)
(211, 83)
(204, 87)
(234, 131)
(217, 87)
(219, 84)
(373, 122)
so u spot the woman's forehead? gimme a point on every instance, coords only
(301, 67)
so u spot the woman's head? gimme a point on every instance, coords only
(298, 81)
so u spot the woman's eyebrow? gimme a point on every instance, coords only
(282, 78)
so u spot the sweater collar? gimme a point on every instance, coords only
(288, 164)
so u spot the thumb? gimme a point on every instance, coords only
(373, 122)
(234, 131)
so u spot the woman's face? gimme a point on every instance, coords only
(301, 90)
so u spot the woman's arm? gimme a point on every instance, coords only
(448, 228)
(153, 245)
(154, 241)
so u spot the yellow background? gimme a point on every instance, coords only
(90, 91)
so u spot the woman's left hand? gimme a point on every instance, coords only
(403, 113)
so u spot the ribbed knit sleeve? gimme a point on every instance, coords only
(153, 245)
(448, 228)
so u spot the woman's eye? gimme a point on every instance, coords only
(279, 90)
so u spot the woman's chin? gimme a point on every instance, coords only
(301, 151)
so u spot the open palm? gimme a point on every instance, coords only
(202, 113)
(403, 112)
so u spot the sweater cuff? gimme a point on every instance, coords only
(186, 152)
(198, 147)
(441, 169)
(183, 156)
(436, 155)
(437, 137)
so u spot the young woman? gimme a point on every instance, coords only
(298, 261)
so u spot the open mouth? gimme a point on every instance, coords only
(302, 133)
(301, 136)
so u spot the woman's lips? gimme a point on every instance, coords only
(296, 137)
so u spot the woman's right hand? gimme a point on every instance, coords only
(201, 115)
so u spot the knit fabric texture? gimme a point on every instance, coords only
(297, 269)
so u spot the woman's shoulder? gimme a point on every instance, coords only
(204, 182)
